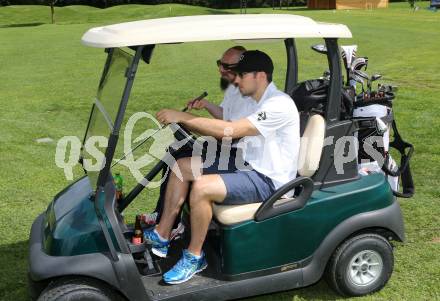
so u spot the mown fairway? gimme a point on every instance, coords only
(48, 81)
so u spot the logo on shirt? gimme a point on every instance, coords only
(261, 116)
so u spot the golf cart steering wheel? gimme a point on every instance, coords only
(182, 133)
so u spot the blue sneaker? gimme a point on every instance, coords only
(185, 268)
(159, 246)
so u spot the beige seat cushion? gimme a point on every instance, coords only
(311, 146)
(309, 156)
(232, 214)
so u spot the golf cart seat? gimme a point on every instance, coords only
(310, 152)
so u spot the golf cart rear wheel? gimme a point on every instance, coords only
(361, 265)
(75, 289)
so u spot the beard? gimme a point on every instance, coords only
(224, 83)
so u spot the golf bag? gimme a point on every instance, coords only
(374, 143)
(310, 97)
(373, 111)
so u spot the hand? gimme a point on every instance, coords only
(166, 116)
(197, 104)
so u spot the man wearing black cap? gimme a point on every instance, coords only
(233, 107)
(270, 139)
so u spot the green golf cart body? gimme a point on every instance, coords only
(338, 224)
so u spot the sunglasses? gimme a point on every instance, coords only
(225, 66)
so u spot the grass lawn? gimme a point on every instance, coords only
(48, 81)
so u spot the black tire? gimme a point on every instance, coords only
(373, 253)
(35, 288)
(75, 289)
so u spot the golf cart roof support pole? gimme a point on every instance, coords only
(81, 158)
(113, 140)
(334, 93)
(106, 66)
(292, 65)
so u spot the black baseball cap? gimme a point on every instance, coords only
(254, 60)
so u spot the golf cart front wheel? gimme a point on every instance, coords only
(76, 289)
(361, 265)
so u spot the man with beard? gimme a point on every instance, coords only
(233, 107)
(270, 137)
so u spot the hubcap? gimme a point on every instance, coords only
(365, 268)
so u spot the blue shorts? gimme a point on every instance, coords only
(242, 186)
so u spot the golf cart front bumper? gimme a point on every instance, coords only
(43, 267)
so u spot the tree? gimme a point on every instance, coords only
(52, 9)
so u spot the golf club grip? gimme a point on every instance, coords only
(204, 94)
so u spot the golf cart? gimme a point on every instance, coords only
(338, 224)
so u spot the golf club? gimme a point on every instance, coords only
(373, 78)
(361, 74)
(326, 75)
(359, 63)
(358, 79)
(376, 77)
(348, 54)
(320, 48)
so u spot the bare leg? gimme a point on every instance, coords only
(175, 194)
(205, 190)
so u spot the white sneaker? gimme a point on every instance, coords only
(149, 218)
(176, 233)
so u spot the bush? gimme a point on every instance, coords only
(108, 3)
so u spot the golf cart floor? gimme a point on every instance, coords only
(158, 289)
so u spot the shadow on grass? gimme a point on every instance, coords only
(14, 267)
(219, 12)
(317, 291)
(22, 25)
(13, 271)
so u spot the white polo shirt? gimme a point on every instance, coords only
(236, 106)
(275, 151)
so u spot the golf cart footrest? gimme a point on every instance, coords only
(136, 248)
(147, 266)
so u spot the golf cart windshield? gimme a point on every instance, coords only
(104, 112)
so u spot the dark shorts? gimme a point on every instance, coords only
(242, 186)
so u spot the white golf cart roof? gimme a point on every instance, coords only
(211, 28)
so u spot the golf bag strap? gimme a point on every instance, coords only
(407, 184)
(389, 118)
(404, 170)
